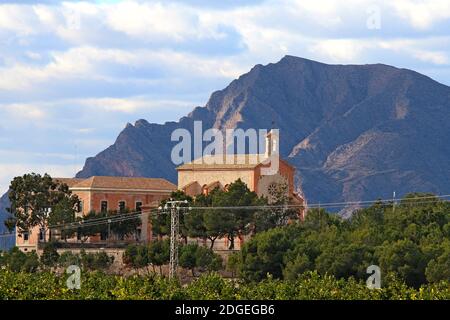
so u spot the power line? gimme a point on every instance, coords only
(175, 210)
(102, 219)
(126, 217)
(88, 223)
(319, 205)
(115, 218)
(5, 234)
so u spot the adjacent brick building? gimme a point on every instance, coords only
(108, 193)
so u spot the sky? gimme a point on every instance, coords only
(74, 73)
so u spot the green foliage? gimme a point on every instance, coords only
(405, 258)
(264, 254)
(50, 256)
(213, 224)
(207, 260)
(211, 287)
(438, 269)
(31, 263)
(235, 222)
(18, 261)
(298, 266)
(156, 253)
(310, 286)
(188, 257)
(279, 215)
(68, 258)
(159, 253)
(116, 229)
(63, 212)
(161, 222)
(33, 199)
(96, 261)
(193, 256)
(233, 263)
(411, 241)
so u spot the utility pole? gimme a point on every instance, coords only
(109, 230)
(174, 234)
(393, 202)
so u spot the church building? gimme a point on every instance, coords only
(259, 171)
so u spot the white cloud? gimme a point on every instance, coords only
(18, 19)
(11, 170)
(131, 104)
(421, 49)
(422, 14)
(435, 57)
(72, 74)
(152, 19)
(23, 111)
(340, 50)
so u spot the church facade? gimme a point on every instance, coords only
(203, 175)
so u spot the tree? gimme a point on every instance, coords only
(137, 256)
(234, 222)
(195, 224)
(68, 258)
(96, 261)
(195, 219)
(207, 260)
(410, 242)
(188, 257)
(193, 256)
(159, 253)
(297, 267)
(31, 263)
(264, 254)
(86, 230)
(217, 224)
(233, 264)
(123, 228)
(33, 198)
(405, 258)
(161, 221)
(212, 221)
(50, 256)
(344, 260)
(438, 269)
(280, 214)
(120, 228)
(17, 261)
(63, 213)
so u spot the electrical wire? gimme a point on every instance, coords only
(138, 214)
(123, 218)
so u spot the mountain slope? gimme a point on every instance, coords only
(354, 132)
(5, 242)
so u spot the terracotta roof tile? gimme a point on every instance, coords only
(190, 184)
(213, 184)
(237, 161)
(69, 181)
(125, 183)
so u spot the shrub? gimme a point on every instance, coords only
(68, 258)
(96, 261)
(50, 256)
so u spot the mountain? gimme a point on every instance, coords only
(5, 242)
(4, 203)
(354, 132)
